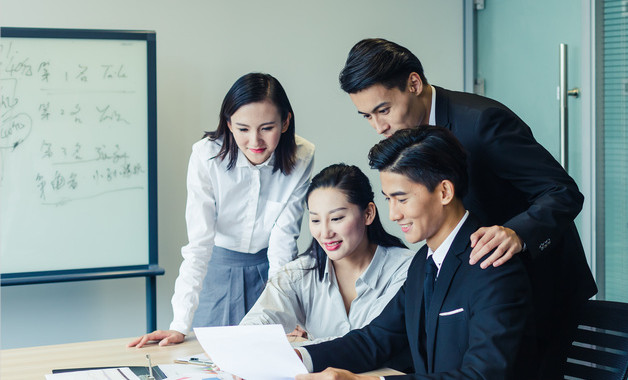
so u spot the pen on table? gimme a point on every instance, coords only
(150, 368)
(122, 373)
(201, 361)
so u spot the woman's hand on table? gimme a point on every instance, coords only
(165, 337)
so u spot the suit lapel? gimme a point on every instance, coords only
(447, 271)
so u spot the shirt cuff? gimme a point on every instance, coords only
(307, 359)
(180, 327)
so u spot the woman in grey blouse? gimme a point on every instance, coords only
(352, 270)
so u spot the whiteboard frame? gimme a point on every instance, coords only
(151, 269)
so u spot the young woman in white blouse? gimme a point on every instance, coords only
(246, 185)
(352, 270)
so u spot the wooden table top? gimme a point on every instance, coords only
(36, 362)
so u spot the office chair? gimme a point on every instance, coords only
(599, 350)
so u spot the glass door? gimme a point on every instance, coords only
(517, 63)
(612, 149)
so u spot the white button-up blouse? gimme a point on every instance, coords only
(295, 295)
(245, 209)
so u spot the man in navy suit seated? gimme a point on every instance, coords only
(458, 320)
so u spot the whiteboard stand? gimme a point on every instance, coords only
(150, 272)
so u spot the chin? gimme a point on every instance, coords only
(412, 239)
(335, 256)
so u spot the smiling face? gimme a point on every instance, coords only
(257, 128)
(338, 225)
(390, 109)
(421, 214)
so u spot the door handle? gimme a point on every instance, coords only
(563, 93)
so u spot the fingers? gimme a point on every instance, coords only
(482, 243)
(334, 374)
(477, 235)
(497, 254)
(507, 256)
(173, 337)
(154, 336)
(501, 241)
(134, 342)
(141, 341)
(145, 339)
(299, 332)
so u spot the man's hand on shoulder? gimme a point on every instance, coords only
(334, 374)
(502, 241)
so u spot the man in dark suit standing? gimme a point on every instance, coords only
(516, 187)
(458, 320)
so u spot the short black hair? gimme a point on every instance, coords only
(378, 61)
(426, 155)
(253, 88)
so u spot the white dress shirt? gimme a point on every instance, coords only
(295, 295)
(245, 209)
(432, 120)
(443, 248)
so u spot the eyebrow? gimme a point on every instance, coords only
(261, 125)
(330, 212)
(395, 194)
(374, 108)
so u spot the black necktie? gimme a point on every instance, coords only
(428, 285)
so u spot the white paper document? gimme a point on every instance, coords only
(251, 352)
(192, 372)
(121, 373)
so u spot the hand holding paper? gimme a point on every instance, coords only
(251, 352)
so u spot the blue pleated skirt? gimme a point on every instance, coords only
(233, 283)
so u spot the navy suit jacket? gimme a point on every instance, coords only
(475, 326)
(516, 183)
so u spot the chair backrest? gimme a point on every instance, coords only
(600, 347)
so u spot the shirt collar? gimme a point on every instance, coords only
(329, 271)
(441, 251)
(369, 276)
(373, 271)
(433, 107)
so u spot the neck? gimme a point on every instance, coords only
(452, 215)
(358, 261)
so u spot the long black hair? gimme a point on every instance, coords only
(351, 181)
(253, 88)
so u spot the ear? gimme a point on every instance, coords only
(286, 123)
(369, 213)
(415, 84)
(229, 125)
(447, 192)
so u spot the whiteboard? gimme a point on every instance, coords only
(77, 149)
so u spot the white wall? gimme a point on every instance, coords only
(202, 48)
